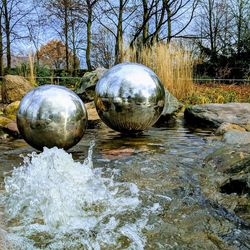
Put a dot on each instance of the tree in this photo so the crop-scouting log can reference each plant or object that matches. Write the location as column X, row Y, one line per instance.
column 163, row 19
column 60, row 13
column 53, row 55
column 103, row 48
column 148, row 11
column 116, row 18
column 240, row 10
column 177, row 10
column 14, row 11
column 212, row 25
column 90, row 5
column 1, row 42
column 224, row 33
column 36, row 26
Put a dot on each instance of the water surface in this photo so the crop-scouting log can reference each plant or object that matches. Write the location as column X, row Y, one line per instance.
column 151, row 191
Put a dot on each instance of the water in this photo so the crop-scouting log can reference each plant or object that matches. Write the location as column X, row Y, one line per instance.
column 147, row 192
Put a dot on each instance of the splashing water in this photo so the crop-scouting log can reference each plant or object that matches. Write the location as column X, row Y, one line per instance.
column 54, row 202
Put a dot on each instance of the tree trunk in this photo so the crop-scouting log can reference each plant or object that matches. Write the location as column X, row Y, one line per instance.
column 89, row 24
column 1, row 45
column 145, row 20
column 119, row 36
column 156, row 22
column 239, row 26
column 66, row 29
column 169, row 15
column 74, row 49
column 7, row 33
column 212, row 34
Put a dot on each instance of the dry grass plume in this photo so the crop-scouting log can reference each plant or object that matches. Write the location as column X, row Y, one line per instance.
column 173, row 65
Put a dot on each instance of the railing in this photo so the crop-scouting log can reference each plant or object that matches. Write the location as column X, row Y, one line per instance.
column 69, row 81
column 226, row 81
column 73, row 81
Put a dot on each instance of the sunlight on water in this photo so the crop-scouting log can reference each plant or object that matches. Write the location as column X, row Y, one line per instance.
column 54, row 202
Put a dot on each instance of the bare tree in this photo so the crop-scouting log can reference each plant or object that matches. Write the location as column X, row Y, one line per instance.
column 116, row 17
column 213, row 24
column 1, row 41
column 60, row 13
column 148, row 10
column 6, row 13
column 161, row 20
column 90, row 5
column 36, row 26
column 103, row 48
column 14, row 11
column 240, row 10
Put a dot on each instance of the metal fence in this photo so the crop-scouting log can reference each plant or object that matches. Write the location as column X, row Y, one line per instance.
column 69, row 81
column 74, row 81
column 225, row 81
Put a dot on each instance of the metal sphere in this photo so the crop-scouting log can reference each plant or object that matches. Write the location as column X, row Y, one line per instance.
column 51, row 116
column 129, row 98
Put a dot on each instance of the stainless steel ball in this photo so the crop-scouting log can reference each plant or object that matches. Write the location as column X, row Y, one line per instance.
column 51, row 116
column 129, row 98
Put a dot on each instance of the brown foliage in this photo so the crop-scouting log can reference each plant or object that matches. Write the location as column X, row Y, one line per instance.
column 53, row 55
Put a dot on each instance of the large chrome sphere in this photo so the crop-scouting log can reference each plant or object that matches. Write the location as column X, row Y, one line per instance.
column 129, row 98
column 51, row 116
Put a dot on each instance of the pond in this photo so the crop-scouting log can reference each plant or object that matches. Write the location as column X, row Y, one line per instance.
column 142, row 192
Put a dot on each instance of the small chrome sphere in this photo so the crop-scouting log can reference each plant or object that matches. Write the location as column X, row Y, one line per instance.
column 51, row 116
column 129, row 98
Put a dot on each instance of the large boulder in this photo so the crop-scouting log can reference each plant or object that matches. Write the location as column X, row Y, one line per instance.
column 14, row 88
column 213, row 115
column 231, row 166
column 172, row 105
column 171, row 108
column 86, row 88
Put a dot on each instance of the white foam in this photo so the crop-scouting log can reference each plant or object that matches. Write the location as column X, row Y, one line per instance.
column 58, row 203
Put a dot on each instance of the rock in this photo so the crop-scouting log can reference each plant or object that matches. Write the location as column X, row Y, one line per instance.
column 225, row 127
column 236, row 185
column 3, row 242
column 213, row 115
column 232, row 167
column 230, row 159
column 171, row 108
column 12, row 130
column 86, row 88
column 8, row 127
column 172, row 105
column 3, row 122
column 113, row 154
column 237, row 137
column 11, row 110
column 94, row 120
column 14, row 88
